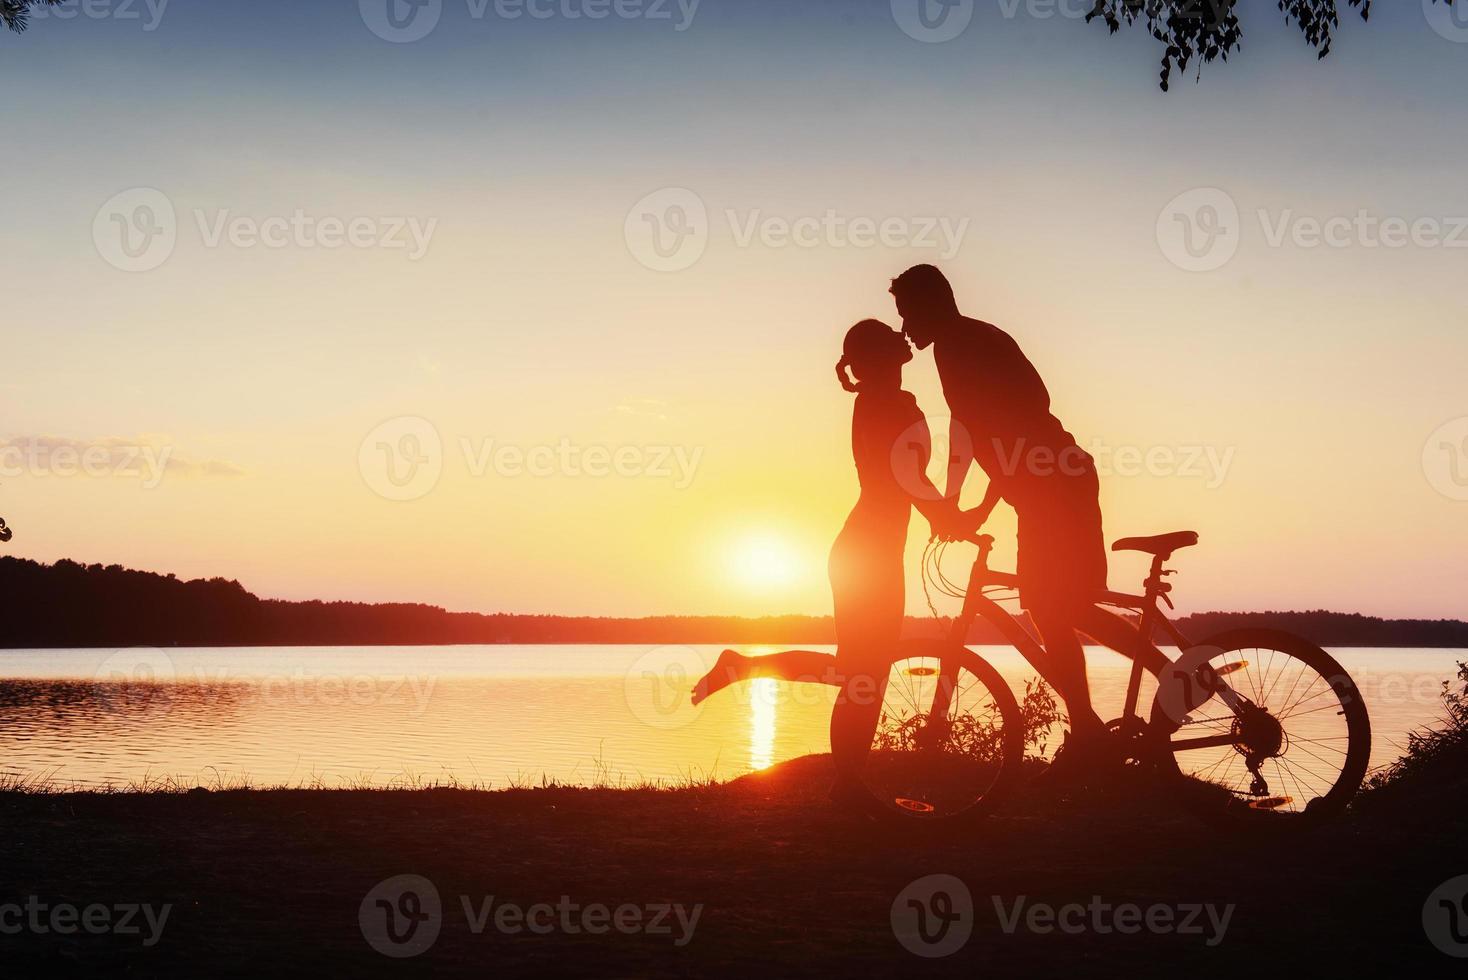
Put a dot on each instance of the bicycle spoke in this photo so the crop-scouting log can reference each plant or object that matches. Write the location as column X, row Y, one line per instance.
column 1325, row 762
column 1302, row 789
column 1298, row 677
column 1291, row 709
column 1309, row 772
column 1302, row 699
column 1329, row 707
column 1321, row 741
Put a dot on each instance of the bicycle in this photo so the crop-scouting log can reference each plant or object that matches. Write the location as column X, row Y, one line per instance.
column 1226, row 730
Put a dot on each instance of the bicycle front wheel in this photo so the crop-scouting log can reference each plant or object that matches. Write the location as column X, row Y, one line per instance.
column 1262, row 728
column 949, row 739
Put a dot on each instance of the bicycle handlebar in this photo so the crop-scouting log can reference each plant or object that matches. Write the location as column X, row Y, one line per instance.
column 984, row 541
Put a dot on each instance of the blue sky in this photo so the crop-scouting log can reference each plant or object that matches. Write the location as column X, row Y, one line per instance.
column 526, row 142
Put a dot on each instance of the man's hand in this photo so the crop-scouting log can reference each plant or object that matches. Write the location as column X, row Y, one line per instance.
column 973, row 521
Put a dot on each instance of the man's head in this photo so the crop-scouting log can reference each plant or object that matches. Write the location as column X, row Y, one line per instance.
column 925, row 303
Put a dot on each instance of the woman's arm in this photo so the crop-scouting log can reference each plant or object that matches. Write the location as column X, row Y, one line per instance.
column 911, row 464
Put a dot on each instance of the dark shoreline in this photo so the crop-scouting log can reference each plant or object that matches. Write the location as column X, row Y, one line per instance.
column 68, row 605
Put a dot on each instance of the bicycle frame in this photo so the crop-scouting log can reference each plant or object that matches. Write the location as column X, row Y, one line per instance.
column 1142, row 652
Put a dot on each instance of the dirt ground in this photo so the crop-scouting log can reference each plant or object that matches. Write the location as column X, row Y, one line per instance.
column 782, row 883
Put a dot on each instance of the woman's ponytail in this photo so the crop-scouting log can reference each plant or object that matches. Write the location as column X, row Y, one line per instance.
column 846, row 380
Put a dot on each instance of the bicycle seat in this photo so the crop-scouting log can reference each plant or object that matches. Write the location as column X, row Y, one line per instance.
column 1160, row 545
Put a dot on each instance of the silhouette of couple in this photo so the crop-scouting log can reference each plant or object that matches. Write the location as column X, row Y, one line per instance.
column 1001, row 419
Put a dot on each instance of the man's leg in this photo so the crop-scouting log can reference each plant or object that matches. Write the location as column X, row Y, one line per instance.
column 1067, row 663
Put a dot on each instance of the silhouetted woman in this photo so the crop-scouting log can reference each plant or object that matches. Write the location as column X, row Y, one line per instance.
column 891, row 445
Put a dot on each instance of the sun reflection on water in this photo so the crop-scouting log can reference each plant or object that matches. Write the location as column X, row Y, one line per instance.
column 762, row 694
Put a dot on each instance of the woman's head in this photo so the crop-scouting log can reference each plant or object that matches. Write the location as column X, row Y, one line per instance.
column 874, row 353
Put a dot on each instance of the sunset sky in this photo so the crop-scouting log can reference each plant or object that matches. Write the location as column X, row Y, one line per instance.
column 1286, row 398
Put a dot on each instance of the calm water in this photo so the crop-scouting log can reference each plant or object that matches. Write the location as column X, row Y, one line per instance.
column 492, row 715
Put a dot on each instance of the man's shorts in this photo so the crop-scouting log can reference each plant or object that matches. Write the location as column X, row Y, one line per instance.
column 1062, row 549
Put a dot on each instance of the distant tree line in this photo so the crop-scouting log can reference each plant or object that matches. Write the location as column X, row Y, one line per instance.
column 72, row 605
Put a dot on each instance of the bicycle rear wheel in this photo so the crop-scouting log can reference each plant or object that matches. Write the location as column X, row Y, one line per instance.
column 949, row 740
column 1261, row 728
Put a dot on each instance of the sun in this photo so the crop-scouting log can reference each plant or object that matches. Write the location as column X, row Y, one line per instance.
column 764, row 561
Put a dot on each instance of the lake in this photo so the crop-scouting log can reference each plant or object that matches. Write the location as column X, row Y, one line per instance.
column 488, row 715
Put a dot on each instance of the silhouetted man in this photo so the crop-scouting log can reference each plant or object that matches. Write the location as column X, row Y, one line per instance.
column 997, row 400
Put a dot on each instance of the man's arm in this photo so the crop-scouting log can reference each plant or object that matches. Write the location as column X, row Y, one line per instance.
column 961, row 459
